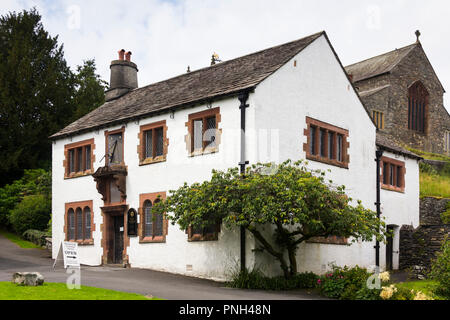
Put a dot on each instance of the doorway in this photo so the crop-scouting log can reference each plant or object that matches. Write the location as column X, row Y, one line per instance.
column 117, row 257
column 390, row 248
column 114, row 234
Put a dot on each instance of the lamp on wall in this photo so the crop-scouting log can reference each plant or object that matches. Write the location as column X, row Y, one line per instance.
column 172, row 114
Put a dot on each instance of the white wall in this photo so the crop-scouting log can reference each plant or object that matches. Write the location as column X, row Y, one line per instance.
column 317, row 87
column 208, row 259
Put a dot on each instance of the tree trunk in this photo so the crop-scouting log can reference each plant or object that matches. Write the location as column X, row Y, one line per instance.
column 292, row 260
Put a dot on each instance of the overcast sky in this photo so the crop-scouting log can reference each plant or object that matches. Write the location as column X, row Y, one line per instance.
column 165, row 36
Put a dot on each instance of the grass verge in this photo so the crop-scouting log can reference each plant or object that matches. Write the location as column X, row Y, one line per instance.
column 425, row 286
column 18, row 240
column 432, row 185
column 59, row 291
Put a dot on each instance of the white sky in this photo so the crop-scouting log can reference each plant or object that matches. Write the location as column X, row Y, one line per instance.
column 167, row 36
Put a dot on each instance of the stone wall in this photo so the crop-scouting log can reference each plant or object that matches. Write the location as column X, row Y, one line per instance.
column 418, row 247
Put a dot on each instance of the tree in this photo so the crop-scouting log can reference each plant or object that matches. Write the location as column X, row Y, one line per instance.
column 39, row 94
column 296, row 204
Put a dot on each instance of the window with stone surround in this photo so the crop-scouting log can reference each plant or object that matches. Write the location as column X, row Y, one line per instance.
column 392, row 174
column 209, row 233
column 447, row 141
column 417, row 107
column 326, row 143
column 203, row 132
column 114, row 146
column 153, row 228
column 79, row 222
column 153, row 143
column 378, row 118
column 79, row 159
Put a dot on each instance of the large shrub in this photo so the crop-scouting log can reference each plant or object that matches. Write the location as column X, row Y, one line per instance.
column 33, row 212
column 36, row 236
column 440, row 270
column 33, row 182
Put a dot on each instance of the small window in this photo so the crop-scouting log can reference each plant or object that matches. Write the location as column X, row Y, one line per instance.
column 115, row 148
column 393, row 174
column 326, row 143
column 79, row 222
column 154, row 226
column 79, row 158
column 208, row 233
column 203, row 132
column 378, row 118
column 153, row 143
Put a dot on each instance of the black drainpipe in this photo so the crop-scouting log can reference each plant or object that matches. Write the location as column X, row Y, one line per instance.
column 243, row 97
column 379, row 154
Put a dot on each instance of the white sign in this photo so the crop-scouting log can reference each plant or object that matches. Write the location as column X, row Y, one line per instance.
column 68, row 251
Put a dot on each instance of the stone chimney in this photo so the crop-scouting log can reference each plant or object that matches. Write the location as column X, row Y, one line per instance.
column 123, row 76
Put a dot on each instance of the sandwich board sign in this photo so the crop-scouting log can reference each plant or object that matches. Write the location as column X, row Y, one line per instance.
column 68, row 252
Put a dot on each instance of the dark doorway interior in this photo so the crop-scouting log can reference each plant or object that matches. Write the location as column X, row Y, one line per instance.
column 390, row 248
column 118, row 239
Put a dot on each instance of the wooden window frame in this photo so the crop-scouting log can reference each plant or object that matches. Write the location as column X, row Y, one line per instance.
column 332, row 240
column 397, row 164
column 141, row 227
column 107, row 134
column 189, row 138
column 142, row 143
column 378, row 118
column 327, row 128
column 75, row 147
column 74, row 206
column 210, row 236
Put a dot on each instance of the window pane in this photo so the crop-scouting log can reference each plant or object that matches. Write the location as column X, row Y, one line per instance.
column 87, row 219
column 159, row 225
column 210, row 134
column 391, row 174
column 339, row 147
column 210, row 229
column 71, row 224
column 399, row 176
column 79, row 219
column 148, row 227
column 88, row 158
column 385, row 173
column 79, row 162
column 198, row 134
column 159, row 142
column 323, row 142
column 197, row 230
column 330, row 144
column 149, row 144
column 312, row 137
column 115, row 144
column 71, row 160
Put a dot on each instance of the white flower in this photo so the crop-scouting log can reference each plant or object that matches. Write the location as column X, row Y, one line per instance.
column 384, row 276
column 387, row 292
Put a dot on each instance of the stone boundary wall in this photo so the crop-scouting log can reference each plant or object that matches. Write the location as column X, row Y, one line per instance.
column 418, row 247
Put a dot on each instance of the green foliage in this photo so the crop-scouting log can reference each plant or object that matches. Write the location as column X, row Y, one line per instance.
column 18, row 240
column 440, row 269
column 299, row 203
column 36, row 236
column 33, row 182
column 33, row 212
column 345, row 283
column 255, row 279
column 39, row 93
column 429, row 155
column 435, row 183
column 445, row 216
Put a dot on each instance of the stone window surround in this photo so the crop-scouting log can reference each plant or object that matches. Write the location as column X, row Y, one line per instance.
column 107, row 133
column 196, row 237
column 155, row 239
column 189, row 138
column 328, row 128
column 82, row 205
column 333, row 240
column 141, row 147
column 66, row 161
column 397, row 164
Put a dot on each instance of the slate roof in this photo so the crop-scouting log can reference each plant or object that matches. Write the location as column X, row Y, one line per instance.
column 378, row 65
column 225, row 78
column 385, row 142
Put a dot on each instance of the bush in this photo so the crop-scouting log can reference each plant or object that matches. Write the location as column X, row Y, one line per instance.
column 33, row 212
column 440, row 269
column 255, row 279
column 36, row 236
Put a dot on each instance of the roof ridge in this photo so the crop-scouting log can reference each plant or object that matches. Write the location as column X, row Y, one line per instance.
column 382, row 54
column 315, row 36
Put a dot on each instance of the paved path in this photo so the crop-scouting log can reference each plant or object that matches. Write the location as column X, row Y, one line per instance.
column 147, row 282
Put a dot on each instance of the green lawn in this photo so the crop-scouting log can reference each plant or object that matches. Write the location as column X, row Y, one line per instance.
column 19, row 241
column 59, row 291
column 425, row 286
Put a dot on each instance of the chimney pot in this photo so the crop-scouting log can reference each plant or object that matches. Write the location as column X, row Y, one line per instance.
column 121, row 54
column 128, row 56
